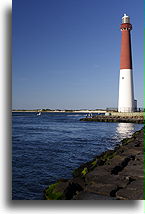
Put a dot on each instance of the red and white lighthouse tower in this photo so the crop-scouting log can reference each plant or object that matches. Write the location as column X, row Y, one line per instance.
column 126, row 102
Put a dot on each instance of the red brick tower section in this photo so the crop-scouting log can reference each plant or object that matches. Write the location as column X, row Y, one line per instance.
column 125, row 57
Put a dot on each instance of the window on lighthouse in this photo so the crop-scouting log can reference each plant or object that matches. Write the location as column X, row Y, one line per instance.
column 122, row 77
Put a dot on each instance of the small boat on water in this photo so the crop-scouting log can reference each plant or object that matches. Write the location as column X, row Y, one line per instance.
column 39, row 114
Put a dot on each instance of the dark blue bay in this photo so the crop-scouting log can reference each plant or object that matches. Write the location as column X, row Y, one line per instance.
column 48, row 147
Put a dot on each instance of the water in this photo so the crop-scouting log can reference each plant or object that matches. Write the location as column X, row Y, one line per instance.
column 50, row 146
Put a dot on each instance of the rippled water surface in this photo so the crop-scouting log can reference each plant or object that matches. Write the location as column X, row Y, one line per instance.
column 48, row 147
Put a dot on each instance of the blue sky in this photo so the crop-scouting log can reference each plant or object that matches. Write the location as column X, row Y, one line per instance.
column 66, row 53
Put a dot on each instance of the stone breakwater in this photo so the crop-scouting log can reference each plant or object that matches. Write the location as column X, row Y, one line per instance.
column 114, row 175
column 118, row 119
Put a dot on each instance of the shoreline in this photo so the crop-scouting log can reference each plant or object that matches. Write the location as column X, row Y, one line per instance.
column 62, row 111
column 114, row 175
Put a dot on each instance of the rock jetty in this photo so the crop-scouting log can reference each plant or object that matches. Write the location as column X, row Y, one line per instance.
column 118, row 119
column 114, row 175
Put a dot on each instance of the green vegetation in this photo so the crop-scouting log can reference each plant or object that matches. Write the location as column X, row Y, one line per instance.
column 108, row 155
column 85, row 171
column 52, row 194
column 94, row 163
column 127, row 140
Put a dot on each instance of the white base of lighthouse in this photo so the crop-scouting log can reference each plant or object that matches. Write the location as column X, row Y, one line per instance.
column 126, row 101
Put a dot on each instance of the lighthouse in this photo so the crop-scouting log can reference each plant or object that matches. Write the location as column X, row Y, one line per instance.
column 126, row 102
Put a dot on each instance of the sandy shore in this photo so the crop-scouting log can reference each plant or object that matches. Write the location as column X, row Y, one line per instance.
column 115, row 175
